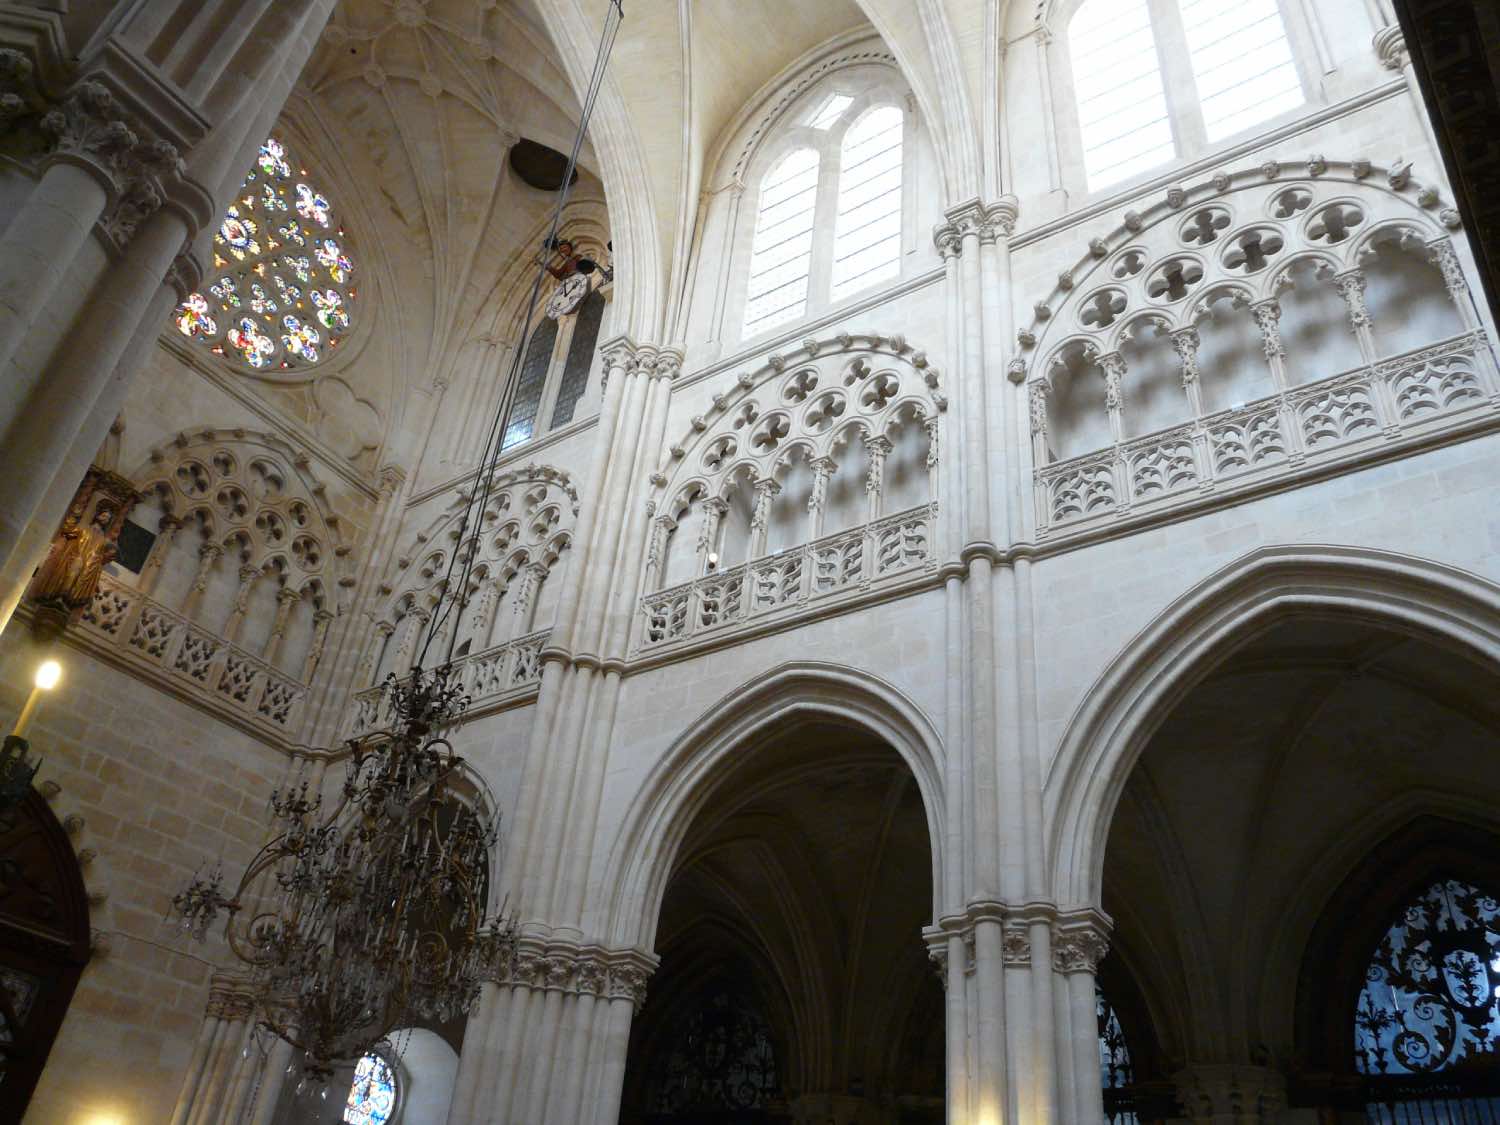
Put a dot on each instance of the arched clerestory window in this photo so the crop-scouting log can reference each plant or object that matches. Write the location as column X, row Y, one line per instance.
column 1427, row 1024
column 828, row 207
column 1154, row 80
column 556, row 365
column 281, row 292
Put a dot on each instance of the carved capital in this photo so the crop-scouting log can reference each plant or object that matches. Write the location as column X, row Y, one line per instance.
column 1037, row 400
column 1015, row 945
column 1390, row 47
column 1268, row 317
column 1080, row 943
column 1185, row 342
column 1230, row 1093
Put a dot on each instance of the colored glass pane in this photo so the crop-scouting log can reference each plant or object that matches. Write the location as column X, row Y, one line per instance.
column 193, row 318
column 330, row 308
column 372, row 1097
column 253, row 345
column 272, row 159
column 311, row 205
column 300, row 301
column 300, row 340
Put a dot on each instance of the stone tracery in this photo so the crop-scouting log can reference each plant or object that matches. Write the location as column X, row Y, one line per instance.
column 282, row 292
column 1177, row 296
column 852, row 401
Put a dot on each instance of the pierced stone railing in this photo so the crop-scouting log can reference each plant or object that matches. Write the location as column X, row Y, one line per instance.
column 146, row 635
column 843, row 564
column 497, row 675
column 1390, row 401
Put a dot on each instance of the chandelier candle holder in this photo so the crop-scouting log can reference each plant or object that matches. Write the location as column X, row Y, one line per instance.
column 359, row 918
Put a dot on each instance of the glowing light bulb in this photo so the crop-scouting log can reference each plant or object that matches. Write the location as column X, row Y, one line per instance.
column 48, row 675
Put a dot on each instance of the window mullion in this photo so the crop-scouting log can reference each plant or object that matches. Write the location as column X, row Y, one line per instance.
column 825, row 215
column 1177, row 77
column 560, row 348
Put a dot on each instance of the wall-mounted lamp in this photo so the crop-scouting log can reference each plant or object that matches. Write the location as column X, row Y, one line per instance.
column 713, row 561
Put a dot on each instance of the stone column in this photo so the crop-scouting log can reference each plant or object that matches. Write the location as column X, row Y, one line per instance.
column 661, row 528
column 1113, row 365
column 128, row 176
column 166, row 533
column 1036, row 396
column 1268, row 319
column 1079, row 945
column 218, row 1080
column 1390, row 49
column 370, row 667
column 714, row 511
column 1444, row 256
column 823, row 469
column 249, row 575
column 411, row 632
column 766, row 492
column 482, row 617
column 322, row 618
column 525, row 604
column 286, row 598
column 208, row 555
column 1185, row 342
column 877, row 449
column 1351, row 287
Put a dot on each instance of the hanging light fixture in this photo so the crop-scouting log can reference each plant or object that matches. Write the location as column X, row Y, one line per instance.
column 367, row 911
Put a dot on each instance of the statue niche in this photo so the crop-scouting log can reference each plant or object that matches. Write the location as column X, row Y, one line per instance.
column 87, row 541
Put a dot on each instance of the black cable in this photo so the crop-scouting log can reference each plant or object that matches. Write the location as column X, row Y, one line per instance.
column 452, row 598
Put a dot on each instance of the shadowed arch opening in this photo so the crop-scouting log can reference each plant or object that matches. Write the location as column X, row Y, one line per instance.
column 790, row 942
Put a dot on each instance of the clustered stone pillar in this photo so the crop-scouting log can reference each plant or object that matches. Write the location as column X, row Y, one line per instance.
column 549, row 1038
column 225, row 1075
column 126, row 174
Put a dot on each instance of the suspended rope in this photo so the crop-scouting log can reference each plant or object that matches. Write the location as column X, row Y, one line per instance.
column 453, row 595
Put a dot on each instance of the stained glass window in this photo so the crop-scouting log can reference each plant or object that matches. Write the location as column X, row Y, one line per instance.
column 372, row 1097
column 281, row 292
column 720, row 1061
column 1116, row 1072
column 1431, row 998
column 529, row 385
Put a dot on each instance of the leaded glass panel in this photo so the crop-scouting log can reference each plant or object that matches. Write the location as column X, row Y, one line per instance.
column 521, row 423
column 372, row 1096
column 575, row 376
column 280, row 293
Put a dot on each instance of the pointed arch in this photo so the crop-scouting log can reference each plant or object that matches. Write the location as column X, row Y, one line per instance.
column 1120, row 712
column 698, row 762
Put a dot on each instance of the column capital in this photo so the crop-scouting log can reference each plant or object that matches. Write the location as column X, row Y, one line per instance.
column 1082, row 940
column 1390, row 47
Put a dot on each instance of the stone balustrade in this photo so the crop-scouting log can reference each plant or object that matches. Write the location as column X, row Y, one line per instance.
column 1389, row 403
column 884, row 551
column 497, row 676
column 127, row 626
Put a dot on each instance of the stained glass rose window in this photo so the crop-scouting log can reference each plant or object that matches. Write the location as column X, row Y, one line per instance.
column 280, row 295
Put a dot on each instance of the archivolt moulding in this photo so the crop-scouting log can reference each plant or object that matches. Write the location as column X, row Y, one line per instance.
column 810, row 401
column 1120, row 711
column 1237, row 234
column 695, row 765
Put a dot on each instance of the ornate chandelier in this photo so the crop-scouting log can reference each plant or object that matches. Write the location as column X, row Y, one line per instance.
column 357, row 918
